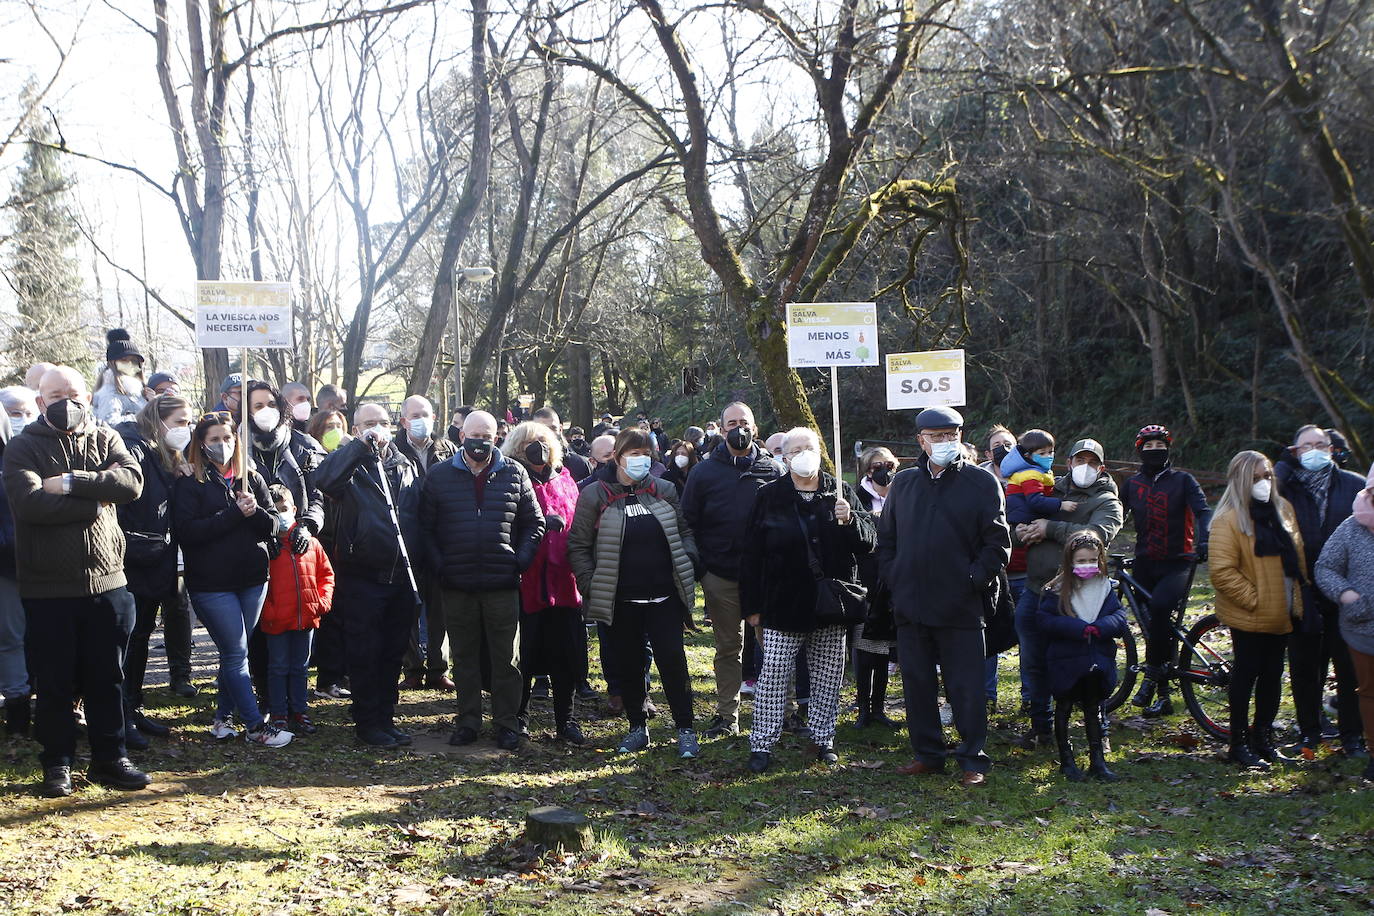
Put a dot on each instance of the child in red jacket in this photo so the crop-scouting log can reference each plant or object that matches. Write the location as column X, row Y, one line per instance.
column 300, row 590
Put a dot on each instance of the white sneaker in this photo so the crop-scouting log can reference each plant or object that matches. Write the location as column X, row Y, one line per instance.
column 223, row 729
column 746, row 689
column 335, row 692
column 268, row 736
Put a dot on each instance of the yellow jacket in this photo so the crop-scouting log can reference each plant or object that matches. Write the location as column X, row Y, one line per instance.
column 1251, row 593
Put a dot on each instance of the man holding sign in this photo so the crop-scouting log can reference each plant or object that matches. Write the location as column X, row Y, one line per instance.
column 942, row 540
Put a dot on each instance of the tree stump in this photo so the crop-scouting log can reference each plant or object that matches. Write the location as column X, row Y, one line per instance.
column 552, row 827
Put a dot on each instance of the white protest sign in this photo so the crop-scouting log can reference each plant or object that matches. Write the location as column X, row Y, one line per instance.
column 243, row 313
column 931, row 379
column 832, row 334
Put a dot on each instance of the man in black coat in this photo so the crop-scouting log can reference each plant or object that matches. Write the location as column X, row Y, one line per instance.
column 942, row 541
column 482, row 526
column 1322, row 496
column 717, row 502
column 375, row 588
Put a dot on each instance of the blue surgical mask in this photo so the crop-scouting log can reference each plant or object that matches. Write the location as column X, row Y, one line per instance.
column 1314, row 459
column 17, row 425
column 944, row 453
column 1044, row 462
column 637, row 466
column 421, row 428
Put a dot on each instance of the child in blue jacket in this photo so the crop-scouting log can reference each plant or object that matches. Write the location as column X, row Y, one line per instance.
column 1030, row 485
column 1081, row 618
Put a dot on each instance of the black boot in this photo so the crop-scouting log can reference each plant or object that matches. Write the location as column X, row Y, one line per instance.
column 1151, row 675
column 1163, row 705
column 1262, row 743
column 17, row 716
column 1067, row 766
column 1240, row 749
column 1097, row 755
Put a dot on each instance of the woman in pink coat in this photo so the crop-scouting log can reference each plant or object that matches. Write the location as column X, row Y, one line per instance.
column 551, row 628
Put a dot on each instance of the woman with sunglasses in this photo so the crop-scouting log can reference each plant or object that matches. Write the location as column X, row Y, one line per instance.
column 224, row 521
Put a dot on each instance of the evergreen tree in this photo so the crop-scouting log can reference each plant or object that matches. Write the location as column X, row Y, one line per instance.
column 41, row 265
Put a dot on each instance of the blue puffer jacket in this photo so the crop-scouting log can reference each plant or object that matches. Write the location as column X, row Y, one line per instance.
column 1071, row 656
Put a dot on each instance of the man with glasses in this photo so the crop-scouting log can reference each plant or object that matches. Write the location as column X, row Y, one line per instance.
column 1322, row 496
column 481, row 528
column 942, row 543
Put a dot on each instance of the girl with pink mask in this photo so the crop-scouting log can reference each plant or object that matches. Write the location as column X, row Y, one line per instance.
column 1080, row 618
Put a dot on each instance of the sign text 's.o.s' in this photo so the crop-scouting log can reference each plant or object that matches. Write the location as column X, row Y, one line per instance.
column 931, row 379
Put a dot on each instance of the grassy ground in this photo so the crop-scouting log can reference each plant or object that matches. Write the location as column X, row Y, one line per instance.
column 324, row 826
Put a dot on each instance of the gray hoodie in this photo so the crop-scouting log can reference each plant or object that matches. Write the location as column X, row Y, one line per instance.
column 1347, row 563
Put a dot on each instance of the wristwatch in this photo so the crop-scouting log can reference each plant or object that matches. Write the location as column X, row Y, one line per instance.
column 67, row 484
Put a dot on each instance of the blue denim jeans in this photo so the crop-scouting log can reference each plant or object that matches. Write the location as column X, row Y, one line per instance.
column 1034, row 675
column 14, row 672
column 288, row 657
column 229, row 618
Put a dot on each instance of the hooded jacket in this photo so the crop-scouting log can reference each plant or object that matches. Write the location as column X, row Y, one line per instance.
column 69, row 545
column 1030, row 490
column 150, row 557
column 481, row 545
column 942, row 542
column 776, row 580
column 363, row 539
column 300, row 589
column 717, row 501
column 1099, row 511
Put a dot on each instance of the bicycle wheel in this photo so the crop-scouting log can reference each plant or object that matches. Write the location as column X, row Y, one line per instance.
column 1204, row 675
column 1128, row 670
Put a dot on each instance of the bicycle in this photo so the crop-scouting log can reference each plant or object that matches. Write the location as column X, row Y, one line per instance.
column 1205, row 676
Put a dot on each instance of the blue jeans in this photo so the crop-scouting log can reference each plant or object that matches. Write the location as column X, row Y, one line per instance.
column 288, row 657
column 1034, row 673
column 14, row 672
column 229, row 617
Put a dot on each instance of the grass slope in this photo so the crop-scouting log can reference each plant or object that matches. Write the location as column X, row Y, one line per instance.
column 325, row 826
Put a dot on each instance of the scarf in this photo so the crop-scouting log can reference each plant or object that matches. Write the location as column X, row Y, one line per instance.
column 1317, row 484
column 1088, row 598
column 1273, row 540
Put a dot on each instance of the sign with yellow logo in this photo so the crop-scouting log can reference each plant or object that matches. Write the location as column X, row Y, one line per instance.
column 832, row 334
column 243, row 313
column 934, row 378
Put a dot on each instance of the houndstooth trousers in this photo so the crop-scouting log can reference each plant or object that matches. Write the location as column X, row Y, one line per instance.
column 825, row 659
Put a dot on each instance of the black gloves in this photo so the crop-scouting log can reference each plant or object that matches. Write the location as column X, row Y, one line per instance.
column 554, row 522
column 1202, row 553
column 273, row 548
column 300, row 540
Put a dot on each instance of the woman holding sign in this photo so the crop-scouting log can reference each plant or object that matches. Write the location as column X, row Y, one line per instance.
column 223, row 520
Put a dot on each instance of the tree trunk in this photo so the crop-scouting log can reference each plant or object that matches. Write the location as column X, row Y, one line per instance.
column 474, row 190
column 580, row 406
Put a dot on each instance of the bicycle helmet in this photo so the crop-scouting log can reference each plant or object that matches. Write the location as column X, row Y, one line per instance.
column 1153, row 431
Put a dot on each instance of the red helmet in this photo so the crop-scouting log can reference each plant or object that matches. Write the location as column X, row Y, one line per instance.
column 1153, row 431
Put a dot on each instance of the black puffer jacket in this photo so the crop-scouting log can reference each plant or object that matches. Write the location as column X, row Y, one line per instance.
column 224, row 550
column 942, row 544
column 479, row 548
column 364, row 539
column 776, row 580
column 150, row 559
column 717, row 501
column 290, row 459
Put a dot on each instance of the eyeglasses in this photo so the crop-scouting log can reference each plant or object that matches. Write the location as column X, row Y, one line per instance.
column 952, row 436
column 1304, row 449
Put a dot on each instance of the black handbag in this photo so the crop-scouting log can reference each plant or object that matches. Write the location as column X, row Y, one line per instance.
column 838, row 603
column 143, row 549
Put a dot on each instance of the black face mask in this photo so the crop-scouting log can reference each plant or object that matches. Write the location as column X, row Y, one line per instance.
column 1340, row 456
column 999, row 454
column 66, row 415
column 1154, row 459
column 455, row 434
column 740, row 438
column 480, row 449
column 537, row 453
column 882, row 476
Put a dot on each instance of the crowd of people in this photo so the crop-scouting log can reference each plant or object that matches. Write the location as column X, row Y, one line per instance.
column 360, row 543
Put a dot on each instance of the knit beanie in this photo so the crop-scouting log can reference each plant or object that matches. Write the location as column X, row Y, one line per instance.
column 119, row 346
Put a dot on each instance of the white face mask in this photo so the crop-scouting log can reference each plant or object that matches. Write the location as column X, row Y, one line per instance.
column 176, row 437
column 131, row 385
column 1262, row 490
column 301, row 411
column 128, row 367
column 421, row 428
column 805, row 464
column 944, row 453
column 267, row 419
column 288, row 518
column 681, row 461
column 17, row 425
column 1084, row 475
